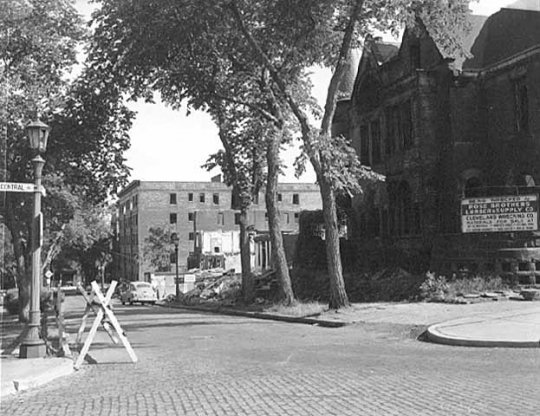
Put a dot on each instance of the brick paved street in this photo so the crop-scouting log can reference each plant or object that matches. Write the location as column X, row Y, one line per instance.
column 197, row 364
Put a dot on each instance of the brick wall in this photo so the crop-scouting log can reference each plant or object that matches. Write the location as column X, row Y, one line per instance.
column 143, row 205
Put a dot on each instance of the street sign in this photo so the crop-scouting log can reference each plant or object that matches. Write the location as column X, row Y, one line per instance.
column 49, row 274
column 16, row 187
column 20, row 187
column 189, row 278
column 499, row 214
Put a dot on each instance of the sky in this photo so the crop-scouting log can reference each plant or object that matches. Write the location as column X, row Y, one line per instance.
column 169, row 145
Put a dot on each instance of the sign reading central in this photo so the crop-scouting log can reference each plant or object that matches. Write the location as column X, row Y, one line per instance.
column 499, row 214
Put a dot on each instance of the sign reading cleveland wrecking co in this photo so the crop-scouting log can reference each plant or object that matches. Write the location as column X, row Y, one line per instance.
column 499, row 214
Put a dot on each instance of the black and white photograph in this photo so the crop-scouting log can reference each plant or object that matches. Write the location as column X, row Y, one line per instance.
column 269, row 207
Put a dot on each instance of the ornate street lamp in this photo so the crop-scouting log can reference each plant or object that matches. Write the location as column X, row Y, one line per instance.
column 175, row 240
column 32, row 345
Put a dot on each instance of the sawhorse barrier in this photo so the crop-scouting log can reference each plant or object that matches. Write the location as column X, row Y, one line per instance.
column 100, row 305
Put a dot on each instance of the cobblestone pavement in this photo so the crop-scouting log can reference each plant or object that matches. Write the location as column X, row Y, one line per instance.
column 197, row 364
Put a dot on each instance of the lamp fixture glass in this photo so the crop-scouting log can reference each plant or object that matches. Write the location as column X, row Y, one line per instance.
column 175, row 239
column 38, row 134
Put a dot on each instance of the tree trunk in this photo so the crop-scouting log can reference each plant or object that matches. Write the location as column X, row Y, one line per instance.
column 338, row 295
column 248, row 287
column 23, row 272
column 280, row 261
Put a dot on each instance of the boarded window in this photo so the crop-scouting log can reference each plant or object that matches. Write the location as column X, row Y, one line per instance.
column 407, row 125
column 404, row 218
column 415, row 56
column 364, row 145
column 391, row 129
column 376, row 156
column 473, row 188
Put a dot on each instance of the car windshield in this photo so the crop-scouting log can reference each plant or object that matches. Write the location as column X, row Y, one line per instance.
column 142, row 285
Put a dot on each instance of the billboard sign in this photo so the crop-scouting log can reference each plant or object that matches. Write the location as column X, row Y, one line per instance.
column 499, row 214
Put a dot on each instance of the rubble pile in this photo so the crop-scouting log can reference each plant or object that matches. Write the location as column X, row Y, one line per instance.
column 214, row 285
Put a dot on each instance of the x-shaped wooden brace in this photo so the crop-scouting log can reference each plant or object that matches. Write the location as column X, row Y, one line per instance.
column 102, row 309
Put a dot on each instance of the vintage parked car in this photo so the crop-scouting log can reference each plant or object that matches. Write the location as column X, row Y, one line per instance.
column 142, row 292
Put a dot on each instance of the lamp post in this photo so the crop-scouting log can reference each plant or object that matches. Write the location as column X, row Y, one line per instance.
column 32, row 345
column 175, row 240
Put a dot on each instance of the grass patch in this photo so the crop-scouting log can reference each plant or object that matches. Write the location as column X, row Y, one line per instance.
column 300, row 309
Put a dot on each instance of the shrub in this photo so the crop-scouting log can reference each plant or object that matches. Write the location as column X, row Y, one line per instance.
column 11, row 301
column 434, row 288
column 391, row 284
column 437, row 288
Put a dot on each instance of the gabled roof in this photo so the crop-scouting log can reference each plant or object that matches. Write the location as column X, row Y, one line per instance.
column 382, row 53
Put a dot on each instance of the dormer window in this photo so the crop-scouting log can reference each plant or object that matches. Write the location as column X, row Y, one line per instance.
column 414, row 56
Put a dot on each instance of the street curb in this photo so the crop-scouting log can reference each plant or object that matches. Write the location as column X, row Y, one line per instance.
column 19, row 375
column 435, row 335
column 259, row 315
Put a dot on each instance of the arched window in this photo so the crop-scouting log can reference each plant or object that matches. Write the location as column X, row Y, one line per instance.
column 526, row 184
column 473, row 188
column 404, row 210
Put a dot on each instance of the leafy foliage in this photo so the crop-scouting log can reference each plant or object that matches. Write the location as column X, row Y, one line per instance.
column 255, row 54
column 85, row 164
column 156, row 249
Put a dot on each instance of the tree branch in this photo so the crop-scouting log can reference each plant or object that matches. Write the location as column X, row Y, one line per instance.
column 54, row 249
column 344, row 51
column 254, row 107
column 302, row 118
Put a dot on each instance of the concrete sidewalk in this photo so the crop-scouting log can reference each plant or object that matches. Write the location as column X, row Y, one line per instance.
column 509, row 324
column 512, row 329
column 23, row 374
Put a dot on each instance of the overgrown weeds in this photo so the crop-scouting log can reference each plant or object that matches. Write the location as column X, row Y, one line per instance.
column 438, row 289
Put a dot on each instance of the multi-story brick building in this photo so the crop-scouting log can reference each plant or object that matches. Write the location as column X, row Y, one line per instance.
column 443, row 127
column 201, row 214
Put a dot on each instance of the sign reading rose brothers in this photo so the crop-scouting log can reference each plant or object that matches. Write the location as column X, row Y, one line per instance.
column 499, row 214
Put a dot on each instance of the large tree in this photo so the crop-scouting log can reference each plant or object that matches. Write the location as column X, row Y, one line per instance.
column 189, row 53
column 287, row 34
column 196, row 49
column 38, row 48
column 242, row 163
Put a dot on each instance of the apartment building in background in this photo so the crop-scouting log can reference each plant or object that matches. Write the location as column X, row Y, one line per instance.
column 202, row 215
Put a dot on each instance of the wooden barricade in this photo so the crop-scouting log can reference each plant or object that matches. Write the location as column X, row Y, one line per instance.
column 100, row 305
